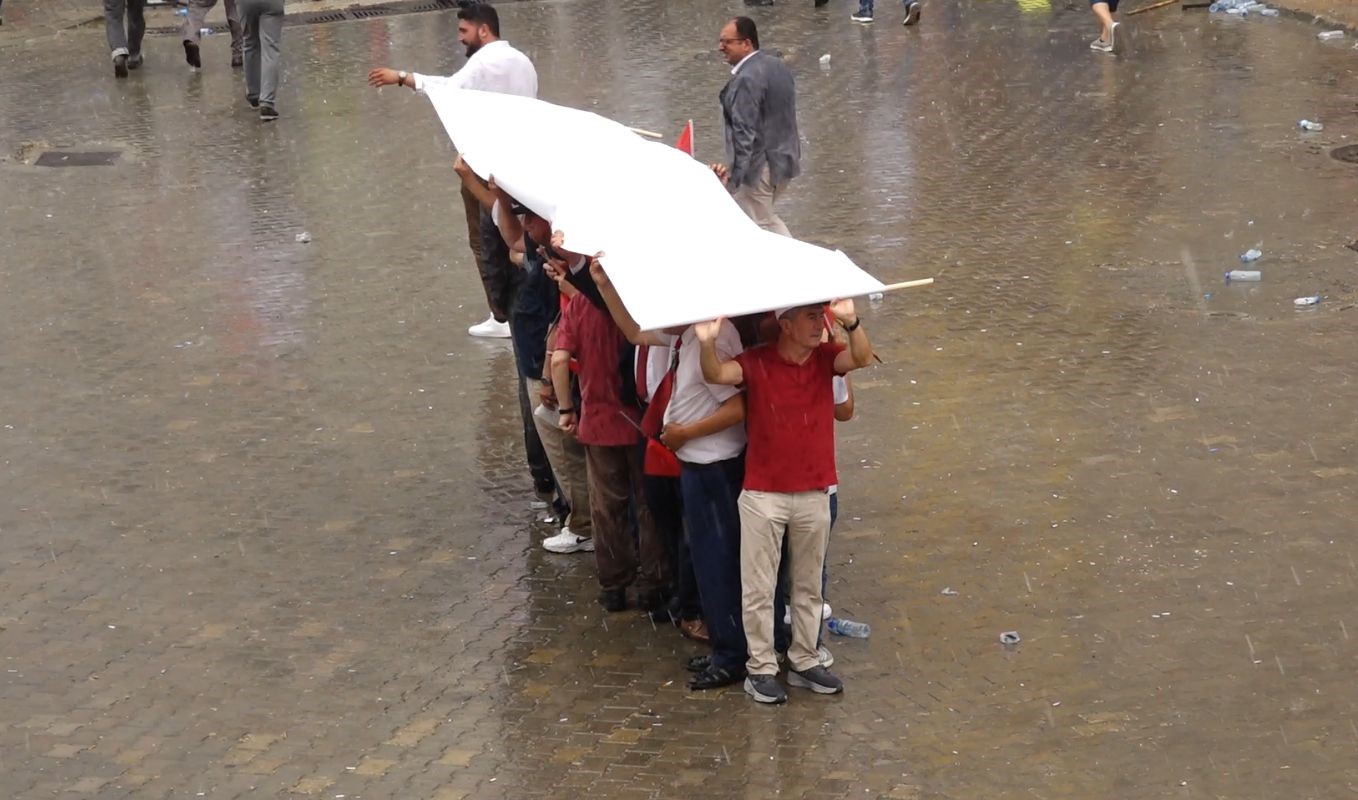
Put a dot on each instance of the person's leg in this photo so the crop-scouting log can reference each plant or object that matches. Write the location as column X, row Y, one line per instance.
column 614, row 552
column 653, row 574
column 194, row 22
column 1104, row 14
column 114, row 12
column 472, row 207
column 865, row 9
column 249, row 25
column 499, row 276
column 271, row 45
column 686, row 582
column 808, row 532
column 136, row 26
column 763, row 518
column 711, row 498
column 544, row 483
column 662, row 500
column 233, row 25
column 757, row 203
column 912, row 11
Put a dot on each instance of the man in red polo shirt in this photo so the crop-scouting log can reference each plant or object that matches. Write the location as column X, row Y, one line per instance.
column 608, row 423
column 789, row 467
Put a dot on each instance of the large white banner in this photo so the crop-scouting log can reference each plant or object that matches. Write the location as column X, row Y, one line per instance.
column 676, row 246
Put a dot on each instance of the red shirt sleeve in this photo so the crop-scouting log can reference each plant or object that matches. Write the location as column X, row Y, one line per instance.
column 565, row 330
column 828, row 352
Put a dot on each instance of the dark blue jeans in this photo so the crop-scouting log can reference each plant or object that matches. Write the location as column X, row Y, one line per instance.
column 710, row 494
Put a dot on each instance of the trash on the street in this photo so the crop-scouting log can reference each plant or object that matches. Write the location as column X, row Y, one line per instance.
column 1304, row 302
column 825, row 59
column 303, row 238
column 1010, row 638
column 204, row 31
column 949, row 591
column 1244, row 275
column 1251, row 254
column 876, row 297
column 1268, row 12
column 847, row 627
column 1325, row 36
column 1310, row 125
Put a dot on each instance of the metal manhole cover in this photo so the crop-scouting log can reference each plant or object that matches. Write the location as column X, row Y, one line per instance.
column 55, row 158
column 1348, row 153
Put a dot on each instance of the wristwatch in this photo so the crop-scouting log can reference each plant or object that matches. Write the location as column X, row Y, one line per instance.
column 856, row 322
column 401, row 78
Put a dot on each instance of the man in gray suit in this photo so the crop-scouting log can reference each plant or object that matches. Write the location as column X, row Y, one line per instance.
column 759, row 107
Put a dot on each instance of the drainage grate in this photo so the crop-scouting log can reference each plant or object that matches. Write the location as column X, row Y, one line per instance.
column 365, row 13
column 55, row 158
column 1348, row 153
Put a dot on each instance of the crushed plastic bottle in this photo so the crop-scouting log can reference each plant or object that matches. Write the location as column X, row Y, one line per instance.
column 304, row 238
column 1268, row 12
column 1252, row 254
column 1244, row 275
column 825, row 60
column 183, row 11
column 1307, row 302
column 876, row 297
column 847, row 627
column 1326, row 36
column 204, row 31
column 1310, row 125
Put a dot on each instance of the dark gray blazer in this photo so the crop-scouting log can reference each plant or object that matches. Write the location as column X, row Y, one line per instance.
column 759, row 107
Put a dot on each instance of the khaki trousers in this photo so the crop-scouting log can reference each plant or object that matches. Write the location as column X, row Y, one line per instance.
column 764, row 516
column 757, row 203
column 567, row 457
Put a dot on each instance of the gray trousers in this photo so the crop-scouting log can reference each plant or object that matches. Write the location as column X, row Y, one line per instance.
column 124, row 41
column 197, row 18
column 262, row 23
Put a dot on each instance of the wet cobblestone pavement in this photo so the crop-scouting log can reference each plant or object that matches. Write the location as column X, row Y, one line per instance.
column 266, row 528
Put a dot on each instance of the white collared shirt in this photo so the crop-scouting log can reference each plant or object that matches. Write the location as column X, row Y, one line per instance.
column 695, row 399
column 495, row 67
column 741, row 63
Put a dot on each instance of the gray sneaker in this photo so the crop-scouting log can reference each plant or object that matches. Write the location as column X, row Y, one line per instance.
column 818, row 679
column 765, row 689
column 912, row 11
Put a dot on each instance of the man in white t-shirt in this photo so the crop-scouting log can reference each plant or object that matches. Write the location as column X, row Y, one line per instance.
column 702, row 427
column 492, row 66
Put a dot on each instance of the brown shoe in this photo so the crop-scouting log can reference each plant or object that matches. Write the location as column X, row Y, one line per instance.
column 695, row 629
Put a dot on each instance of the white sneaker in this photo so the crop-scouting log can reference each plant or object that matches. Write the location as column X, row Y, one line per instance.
column 568, row 542
column 823, row 656
column 490, row 329
column 824, row 611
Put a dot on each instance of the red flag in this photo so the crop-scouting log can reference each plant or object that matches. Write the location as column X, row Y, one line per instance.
column 685, row 142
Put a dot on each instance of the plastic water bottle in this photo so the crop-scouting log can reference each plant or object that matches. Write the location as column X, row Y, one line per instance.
column 1308, row 125
column 183, row 12
column 1251, row 254
column 1244, row 275
column 1268, row 12
column 204, row 31
column 1216, row 7
column 847, row 627
column 1325, row 36
column 1306, row 302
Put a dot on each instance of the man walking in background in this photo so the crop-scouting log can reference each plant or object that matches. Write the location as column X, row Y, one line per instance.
column 262, row 23
column 492, row 66
column 193, row 26
column 759, row 109
column 125, row 43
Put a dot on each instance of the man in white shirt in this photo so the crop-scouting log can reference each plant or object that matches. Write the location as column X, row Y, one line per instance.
column 493, row 65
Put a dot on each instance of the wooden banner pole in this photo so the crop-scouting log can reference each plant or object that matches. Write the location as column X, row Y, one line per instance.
column 891, row 287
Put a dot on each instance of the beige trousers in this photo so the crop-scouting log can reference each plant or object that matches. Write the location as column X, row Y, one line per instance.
column 757, row 203
column 567, row 457
column 764, row 516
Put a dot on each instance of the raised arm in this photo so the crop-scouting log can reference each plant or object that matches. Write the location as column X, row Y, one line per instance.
column 859, row 352
column 621, row 315
column 715, row 370
column 561, row 382
column 728, row 414
column 472, row 183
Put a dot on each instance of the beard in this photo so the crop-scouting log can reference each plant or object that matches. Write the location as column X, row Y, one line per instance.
column 472, row 48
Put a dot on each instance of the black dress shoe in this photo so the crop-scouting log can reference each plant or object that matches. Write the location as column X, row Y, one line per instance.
column 120, row 66
column 613, row 600
column 267, row 112
column 715, row 678
column 135, row 61
column 236, row 61
column 698, row 663
column 253, row 101
column 191, row 55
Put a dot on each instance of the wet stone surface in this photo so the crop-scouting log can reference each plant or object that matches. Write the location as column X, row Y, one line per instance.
column 266, row 528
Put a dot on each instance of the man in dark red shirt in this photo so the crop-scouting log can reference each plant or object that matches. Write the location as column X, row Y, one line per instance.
column 789, row 466
column 608, row 423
